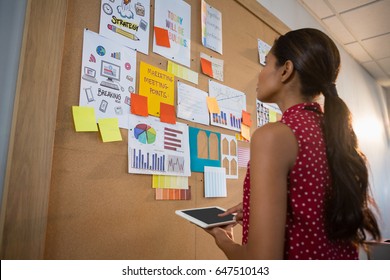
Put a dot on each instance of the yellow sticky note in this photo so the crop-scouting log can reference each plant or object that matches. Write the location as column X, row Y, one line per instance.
column 272, row 116
column 109, row 130
column 212, row 104
column 84, row 118
column 245, row 131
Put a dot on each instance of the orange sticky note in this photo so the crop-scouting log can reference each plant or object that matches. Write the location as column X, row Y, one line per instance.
column 245, row 132
column 162, row 38
column 246, row 118
column 212, row 104
column 206, row 67
column 139, row 105
column 167, row 113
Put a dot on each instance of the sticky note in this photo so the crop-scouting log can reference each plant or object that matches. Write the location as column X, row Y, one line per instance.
column 212, row 104
column 162, row 38
column 245, row 131
column 206, row 67
column 139, row 105
column 272, row 116
column 246, row 118
column 109, row 130
column 84, row 118
column 167, row 113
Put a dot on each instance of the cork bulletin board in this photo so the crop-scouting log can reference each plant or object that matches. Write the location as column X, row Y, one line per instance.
column 97, row 210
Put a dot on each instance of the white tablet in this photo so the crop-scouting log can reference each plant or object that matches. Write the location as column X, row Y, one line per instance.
column 206, row 217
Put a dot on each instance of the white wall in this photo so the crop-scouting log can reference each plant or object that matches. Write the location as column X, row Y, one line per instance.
column 366, row 100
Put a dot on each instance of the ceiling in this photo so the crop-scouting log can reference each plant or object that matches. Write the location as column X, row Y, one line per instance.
column 362, row 27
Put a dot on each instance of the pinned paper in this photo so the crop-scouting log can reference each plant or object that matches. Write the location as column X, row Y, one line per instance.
column 212, row 104
column 139, row 105
column 213, row 67
column 245, row 131
column 162, row 38
column 173, row 194
column 214, row 182
column 272, row 116
column 182, row 72
column 109, row 130
column 206, row 67
column 158, row 85
column 169, row 182
column 84, row 118
column 167, row 113
column 243, row 156
column 246, row 118
column 205, row 146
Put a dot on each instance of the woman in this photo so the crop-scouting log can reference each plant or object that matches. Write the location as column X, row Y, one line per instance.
column 306, row 195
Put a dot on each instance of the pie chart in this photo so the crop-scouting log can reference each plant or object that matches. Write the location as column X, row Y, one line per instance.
column 145, row 133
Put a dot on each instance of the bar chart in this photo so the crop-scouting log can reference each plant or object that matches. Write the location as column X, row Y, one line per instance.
column 148, row 160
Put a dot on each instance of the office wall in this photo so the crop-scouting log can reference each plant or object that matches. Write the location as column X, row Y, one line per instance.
column 366, row 100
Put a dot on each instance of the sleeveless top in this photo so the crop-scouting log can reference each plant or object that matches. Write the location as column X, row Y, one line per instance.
column 305, row 236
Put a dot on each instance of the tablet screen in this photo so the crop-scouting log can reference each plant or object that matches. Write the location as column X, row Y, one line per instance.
column 208, row 215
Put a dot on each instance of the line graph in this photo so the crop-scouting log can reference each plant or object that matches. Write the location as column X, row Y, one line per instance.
column 176, row 164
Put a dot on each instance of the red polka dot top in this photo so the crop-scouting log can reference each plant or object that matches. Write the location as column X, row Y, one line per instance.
column 305, row 236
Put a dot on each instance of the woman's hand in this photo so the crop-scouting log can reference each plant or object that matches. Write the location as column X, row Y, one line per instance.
column 222, row 234
column 237, row 210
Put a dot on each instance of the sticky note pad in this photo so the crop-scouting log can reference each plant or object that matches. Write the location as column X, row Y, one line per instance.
column 109, row 130
column 246, row 118
column 245, row 131
column 162, row 38
column 212, row 104
column 206, row 67
column 84, row 118
column 139, row 105
column 167, row 113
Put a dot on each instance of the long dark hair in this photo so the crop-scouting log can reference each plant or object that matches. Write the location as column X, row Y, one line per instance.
column 317, row 62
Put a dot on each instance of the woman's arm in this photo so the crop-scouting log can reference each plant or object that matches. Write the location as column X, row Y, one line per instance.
column 273, row 153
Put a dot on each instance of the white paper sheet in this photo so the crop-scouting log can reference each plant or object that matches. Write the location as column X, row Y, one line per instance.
column 214, row 182
column 191, row 104
column 108, row 76
column 126, row 22
column 175, row 16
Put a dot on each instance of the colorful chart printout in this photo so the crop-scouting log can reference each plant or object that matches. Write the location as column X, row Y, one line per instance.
column 107, row 77
column 231, row 103
column 158, row 148
column 126, row 22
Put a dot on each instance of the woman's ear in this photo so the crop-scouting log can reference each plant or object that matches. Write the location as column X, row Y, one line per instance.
column 288, row 70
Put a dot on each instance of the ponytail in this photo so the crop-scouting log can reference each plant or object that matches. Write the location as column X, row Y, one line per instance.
column 347, row 214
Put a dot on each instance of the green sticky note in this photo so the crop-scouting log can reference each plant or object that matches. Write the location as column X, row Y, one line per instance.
column 84, row 118
column 109, row 130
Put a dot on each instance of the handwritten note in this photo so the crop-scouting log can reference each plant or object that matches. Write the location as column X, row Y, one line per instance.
column 192, row 104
